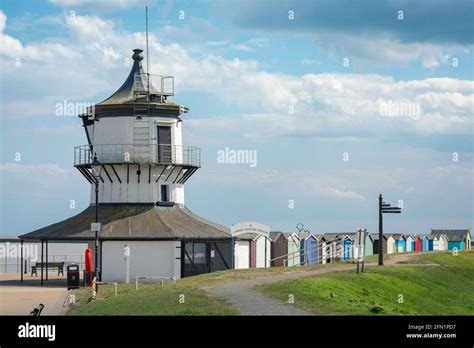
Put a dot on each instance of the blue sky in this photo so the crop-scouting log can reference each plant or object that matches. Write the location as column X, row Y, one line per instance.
column 336, row 64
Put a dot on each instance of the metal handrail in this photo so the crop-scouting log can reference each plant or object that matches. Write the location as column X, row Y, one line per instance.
column 110, row 283
column 164, row 84
column 305, row 252
column 161, row 279
column 133, row 153
column 338, row 254
column 16, row 262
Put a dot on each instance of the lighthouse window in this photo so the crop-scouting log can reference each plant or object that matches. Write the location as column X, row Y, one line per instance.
column 164, row 193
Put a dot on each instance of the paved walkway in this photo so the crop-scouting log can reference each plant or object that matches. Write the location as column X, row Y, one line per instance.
column 20, row 299
column 251, row 302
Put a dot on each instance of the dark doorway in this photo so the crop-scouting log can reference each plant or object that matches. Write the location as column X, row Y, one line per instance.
column 165, row 153
column 164, row 193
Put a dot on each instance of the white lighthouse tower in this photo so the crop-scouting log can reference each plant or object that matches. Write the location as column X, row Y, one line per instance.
column 136, row 162
column 135, row 137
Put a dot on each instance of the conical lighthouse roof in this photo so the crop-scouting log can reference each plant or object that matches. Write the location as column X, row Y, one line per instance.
column 137, row 81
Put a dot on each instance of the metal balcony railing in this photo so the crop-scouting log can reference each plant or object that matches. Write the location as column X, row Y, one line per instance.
column 159, row 84
column 130, row 153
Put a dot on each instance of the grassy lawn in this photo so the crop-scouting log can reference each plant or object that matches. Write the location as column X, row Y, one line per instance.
column 427, row 290
column 154, row 300
column 149, row 300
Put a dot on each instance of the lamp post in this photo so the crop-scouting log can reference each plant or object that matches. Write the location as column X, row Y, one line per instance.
column 384, row 208
column 96, row 169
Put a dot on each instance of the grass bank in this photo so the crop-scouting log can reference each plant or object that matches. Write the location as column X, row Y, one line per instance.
column 172, row 299
column 445, row 289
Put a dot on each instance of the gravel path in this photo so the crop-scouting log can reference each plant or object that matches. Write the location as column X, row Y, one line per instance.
column 251, row 302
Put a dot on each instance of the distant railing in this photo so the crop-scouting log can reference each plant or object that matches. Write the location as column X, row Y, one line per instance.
column 12, row 265
column 123, row 153
column 159, row 84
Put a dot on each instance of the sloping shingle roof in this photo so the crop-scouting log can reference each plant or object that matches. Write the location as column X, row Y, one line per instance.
column 130, row 221
column 375, row 236
column 275, row 234
column 453, row 235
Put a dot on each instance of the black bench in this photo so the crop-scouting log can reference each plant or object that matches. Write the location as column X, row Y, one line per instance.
column 50, row 265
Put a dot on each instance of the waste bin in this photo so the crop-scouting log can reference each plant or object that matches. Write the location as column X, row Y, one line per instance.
column 72, row 277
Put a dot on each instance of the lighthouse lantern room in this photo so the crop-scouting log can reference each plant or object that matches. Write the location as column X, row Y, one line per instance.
column 135, row 135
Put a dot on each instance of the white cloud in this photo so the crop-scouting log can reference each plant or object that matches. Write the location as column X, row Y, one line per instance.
column 275, row 104
column 26, row 170
column 307, row 61
column 241, row 47
column 42, row 175
column 99, row 4
column 385, row 49
column 218, row 42
column 350, row 185
column 250, row 45
column 299, row 183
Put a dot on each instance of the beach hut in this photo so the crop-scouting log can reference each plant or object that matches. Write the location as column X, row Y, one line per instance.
column 368, row 247
column 279, row 250
column 418, row 244
column 375, row 238
column 392, row 244
column 400, row 243
column 326, row 250
column 322, row 250
column 425, row 243
column 309, row 249
column 410, row 243
column 347, row 245
column 459, row 239
column 334, row 242
column 336, row 249
column 293, row 250
column 432, row 242
column 442, row 242
column 258, row 237
column 263, row 249
column 245, row 251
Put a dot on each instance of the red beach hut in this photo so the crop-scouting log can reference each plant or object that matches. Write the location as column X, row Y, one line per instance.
column 418, row 244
